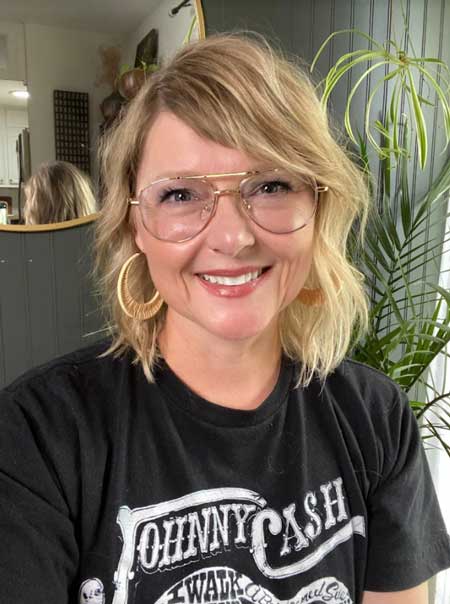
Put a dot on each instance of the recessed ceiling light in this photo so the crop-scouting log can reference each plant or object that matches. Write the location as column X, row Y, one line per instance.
column 20, row 94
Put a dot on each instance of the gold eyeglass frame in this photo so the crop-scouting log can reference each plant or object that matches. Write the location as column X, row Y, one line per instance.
column 218, row 192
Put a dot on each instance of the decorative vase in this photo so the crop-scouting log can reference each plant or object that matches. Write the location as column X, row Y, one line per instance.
column 131, row 82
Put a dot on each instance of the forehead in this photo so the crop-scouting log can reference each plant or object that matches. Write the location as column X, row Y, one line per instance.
column 173, row 148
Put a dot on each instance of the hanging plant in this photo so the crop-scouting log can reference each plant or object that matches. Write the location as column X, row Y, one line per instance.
column 403, row 70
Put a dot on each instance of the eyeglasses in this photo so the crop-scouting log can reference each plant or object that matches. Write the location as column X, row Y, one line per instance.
column 177, row 209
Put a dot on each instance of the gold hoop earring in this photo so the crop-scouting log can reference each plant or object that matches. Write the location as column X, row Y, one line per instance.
column 133, row 309
column 311, row 297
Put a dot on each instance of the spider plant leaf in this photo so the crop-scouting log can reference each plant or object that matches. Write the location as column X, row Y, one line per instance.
column 428, row 60
column 442, row 98
column 333, row 78
column 393, row 116
column 352, row 94
column 425, row 101
column 405, row 201
column 378, row 124
column 382, row 129
column 349, row 56
column 421, row 98
column 419, row 121
column 371, row 40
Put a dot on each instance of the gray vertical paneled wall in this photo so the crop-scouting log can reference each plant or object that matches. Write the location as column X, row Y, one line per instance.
column 47, row 306
column 299, row 27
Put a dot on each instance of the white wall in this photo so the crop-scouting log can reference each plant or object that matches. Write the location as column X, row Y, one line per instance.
column 12, row 63
column 62, row 59
column 171, row 31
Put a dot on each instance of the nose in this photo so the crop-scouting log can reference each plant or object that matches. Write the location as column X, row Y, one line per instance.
column 230, row 230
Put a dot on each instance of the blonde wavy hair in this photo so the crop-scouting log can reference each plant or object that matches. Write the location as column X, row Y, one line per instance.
column 57, row 192
column 235, row 90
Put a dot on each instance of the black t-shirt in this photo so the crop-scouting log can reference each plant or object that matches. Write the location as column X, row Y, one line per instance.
column 119, row 491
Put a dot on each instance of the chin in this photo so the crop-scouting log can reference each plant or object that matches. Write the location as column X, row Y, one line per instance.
column 240, row 328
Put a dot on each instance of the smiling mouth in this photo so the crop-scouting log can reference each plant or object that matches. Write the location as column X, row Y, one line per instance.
column 235, row 280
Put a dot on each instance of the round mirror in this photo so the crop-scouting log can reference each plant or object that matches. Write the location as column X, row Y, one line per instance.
column 65, row 72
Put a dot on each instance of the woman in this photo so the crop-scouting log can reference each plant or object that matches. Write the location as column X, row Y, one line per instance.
column 57, row 192
column 219, row 448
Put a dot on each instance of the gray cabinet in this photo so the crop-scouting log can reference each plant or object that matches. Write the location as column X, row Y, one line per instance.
column 47, row 305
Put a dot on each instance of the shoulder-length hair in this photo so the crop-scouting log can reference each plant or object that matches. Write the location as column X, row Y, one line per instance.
column 235, row 90
column 57, row 192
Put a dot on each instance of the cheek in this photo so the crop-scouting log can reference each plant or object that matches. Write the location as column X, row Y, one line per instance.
column 296, row 265
column 298, row 271
column 168, row 265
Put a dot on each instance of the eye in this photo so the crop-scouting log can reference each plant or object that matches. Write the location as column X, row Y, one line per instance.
column 274, row 186
column 270, row 187
column 177, row 196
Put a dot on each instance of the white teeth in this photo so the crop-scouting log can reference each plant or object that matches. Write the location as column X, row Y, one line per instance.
column 240, row 280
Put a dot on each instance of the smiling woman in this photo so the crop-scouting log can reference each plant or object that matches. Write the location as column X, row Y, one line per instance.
column 218, row 446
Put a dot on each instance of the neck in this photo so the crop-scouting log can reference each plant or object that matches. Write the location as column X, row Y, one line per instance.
column 237, row 374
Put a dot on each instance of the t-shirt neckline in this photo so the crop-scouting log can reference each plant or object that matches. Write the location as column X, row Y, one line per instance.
column 183, row 397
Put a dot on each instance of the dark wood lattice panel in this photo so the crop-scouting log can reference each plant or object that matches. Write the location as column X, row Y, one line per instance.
column 72, row 127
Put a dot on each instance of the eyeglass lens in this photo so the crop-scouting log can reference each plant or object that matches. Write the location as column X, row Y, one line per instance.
column 178, row 209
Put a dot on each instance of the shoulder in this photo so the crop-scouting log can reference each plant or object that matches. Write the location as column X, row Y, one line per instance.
column 82, row 362
column 82, row 359
column 78, row 381
column 353, row 380
column 365, row 400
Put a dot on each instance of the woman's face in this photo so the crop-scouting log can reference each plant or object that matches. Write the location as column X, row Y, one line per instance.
column 230, row 246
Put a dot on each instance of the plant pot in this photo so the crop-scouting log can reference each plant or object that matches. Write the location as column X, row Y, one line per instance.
column 131, row 82
column 111, row 105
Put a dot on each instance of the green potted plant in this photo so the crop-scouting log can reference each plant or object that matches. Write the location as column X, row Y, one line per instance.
column 409, row 321
column 131, row 79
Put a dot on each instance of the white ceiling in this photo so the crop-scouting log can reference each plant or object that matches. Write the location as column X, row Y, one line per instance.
column 114, row 16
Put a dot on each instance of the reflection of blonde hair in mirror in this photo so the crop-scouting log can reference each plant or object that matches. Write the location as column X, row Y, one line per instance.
column 235, row 90
column 57, row 192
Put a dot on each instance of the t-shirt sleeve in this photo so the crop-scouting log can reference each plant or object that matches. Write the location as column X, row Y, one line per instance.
column 38, row 553
column 407, row 539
